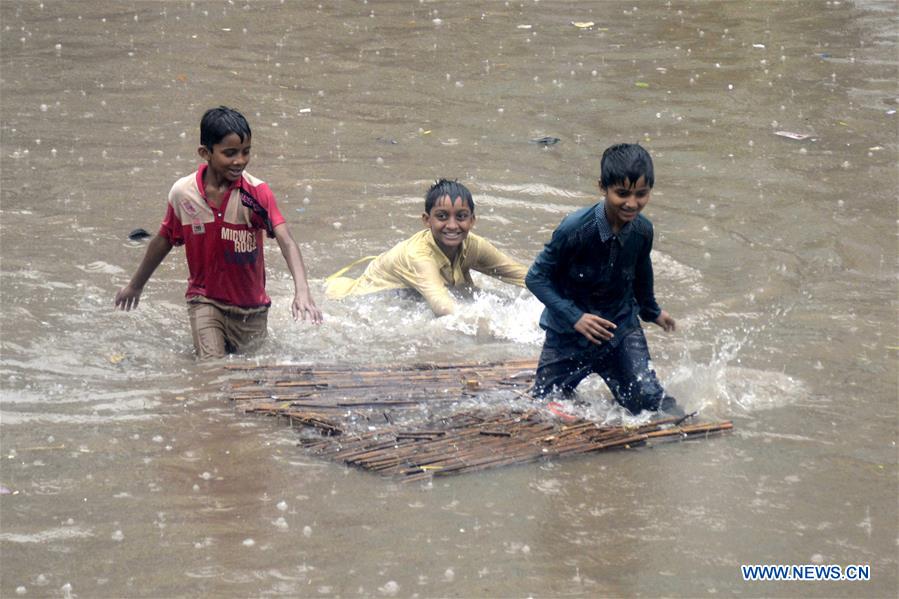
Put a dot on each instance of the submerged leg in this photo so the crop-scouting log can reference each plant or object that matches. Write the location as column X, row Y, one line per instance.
column 628, row 372
column 207, row 326
column 562, row 366
column 245, row 333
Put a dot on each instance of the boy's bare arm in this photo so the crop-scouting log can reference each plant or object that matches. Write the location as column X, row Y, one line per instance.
column 128, row 297
column 425, row 279
column 666, row 322
column 303, row 306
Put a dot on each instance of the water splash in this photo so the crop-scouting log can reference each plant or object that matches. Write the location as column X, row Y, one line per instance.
column 719, row 386
column 493, row 316
column 722, row 387
column 398, row 327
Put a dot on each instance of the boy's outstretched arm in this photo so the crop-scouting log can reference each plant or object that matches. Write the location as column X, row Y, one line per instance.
column 493, row 263
column 128, row 297
column 425, row 279
column 303, row 306
column 666, row 322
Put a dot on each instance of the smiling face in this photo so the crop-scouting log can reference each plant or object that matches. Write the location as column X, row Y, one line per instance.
column 624, row 201
column 228, row 158
column 449, row 220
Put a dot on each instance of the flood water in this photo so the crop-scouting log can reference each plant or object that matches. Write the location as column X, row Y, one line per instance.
column 131, row 475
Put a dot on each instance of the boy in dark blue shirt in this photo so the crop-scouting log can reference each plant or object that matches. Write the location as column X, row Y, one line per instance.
column 595, row 279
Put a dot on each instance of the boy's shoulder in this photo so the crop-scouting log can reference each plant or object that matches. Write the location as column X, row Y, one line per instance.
column 187, row 180
column 257, row 188
column 186, row 186
column 578, row 220
column 253, row 181
column 475, row 240
column 190, row 185
column 579, row 225
column 581, row 214
column 416, row 247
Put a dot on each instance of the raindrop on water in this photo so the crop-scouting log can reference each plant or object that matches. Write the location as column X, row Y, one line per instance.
column 391, row 587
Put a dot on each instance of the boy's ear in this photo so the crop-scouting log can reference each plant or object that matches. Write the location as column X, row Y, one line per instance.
column 602, row 188
column 204, row 153
column 424, row 219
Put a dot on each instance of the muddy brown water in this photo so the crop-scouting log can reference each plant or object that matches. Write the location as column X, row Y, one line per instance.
column 132, row 476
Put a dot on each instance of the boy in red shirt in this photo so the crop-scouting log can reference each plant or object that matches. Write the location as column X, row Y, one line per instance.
column 219, row 213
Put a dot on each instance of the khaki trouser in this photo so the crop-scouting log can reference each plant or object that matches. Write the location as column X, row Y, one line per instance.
column 219, row 329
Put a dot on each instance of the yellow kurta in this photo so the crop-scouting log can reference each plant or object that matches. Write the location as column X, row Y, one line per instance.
column 418, row 263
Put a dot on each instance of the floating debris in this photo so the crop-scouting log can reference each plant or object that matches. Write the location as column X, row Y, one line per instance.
column 138, row 234
column 365, row 417
column 546, row 141
column 557, row 409
column 583, row 24
column 792, row 135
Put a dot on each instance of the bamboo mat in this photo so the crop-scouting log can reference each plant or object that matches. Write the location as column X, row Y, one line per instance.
column 424, row 420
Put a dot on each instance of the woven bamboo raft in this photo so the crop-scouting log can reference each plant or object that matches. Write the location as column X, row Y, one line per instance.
column 414, row 422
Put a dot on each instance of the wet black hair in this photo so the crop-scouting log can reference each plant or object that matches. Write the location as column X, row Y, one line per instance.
column 445, row 187
column 628, row 162
column 218, row 123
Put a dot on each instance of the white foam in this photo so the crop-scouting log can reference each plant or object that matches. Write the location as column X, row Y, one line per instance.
column 51, row 534
column 537, row 189
column 102, row 267
column 488, row 200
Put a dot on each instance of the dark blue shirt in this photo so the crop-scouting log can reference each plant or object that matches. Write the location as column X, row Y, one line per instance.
column 586, row 267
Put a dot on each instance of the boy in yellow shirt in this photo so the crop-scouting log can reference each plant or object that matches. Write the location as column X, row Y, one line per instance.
column 434, row 259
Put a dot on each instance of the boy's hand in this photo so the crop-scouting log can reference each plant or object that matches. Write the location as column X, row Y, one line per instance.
column 127, row 298
column 594, row 328
column 304, row 307
column 665, row 321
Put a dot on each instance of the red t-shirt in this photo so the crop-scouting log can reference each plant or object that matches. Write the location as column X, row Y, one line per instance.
column 224, row 245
